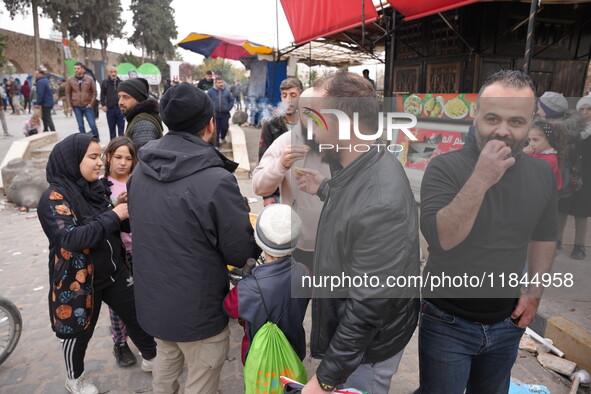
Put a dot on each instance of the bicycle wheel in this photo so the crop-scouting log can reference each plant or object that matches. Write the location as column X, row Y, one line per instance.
column 10, row 328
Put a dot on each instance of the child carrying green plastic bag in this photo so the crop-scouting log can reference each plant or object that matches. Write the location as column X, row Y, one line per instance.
column 274, row 341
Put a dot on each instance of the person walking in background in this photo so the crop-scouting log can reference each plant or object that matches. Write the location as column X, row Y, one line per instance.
column 86, row 257
column 81, row 93
column 34, row 94
column 110, row 103
column 235, row 90
column 61, row 95
column 15, row 95
column 8, row 89
column 26, row 92
column 142, row 113
column 45, row 100
column 223, row 101
column 189, row 221
column 3, row 113
column 4, row 95
column 120, row 159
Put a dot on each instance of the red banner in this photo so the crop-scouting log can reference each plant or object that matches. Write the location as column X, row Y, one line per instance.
column 431, row 143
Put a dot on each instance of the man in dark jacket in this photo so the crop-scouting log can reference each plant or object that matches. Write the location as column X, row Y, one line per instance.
column 368, row 228
column 189, row 221
column 142, row 113
column 110, row 103
column 45, row 100
column 207, row 82
column 223, row 101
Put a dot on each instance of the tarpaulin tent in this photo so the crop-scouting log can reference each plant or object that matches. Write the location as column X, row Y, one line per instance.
column 413, row 9
column 312, row 19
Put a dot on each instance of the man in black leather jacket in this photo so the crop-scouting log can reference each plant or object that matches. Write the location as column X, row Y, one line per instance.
column 368, row 231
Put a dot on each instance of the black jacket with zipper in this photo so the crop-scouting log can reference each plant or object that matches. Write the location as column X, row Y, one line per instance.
column 109, row 93
column 189, row 221
column 368, row 226
column 83, row 258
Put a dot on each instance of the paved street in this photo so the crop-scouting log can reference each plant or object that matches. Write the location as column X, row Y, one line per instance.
column 37, row 366
column 64, row 126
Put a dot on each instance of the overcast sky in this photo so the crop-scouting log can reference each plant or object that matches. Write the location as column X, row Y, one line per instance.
column 224, row 17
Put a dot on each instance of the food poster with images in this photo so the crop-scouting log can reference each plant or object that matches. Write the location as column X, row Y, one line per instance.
column 430, row 143
column 443, row 106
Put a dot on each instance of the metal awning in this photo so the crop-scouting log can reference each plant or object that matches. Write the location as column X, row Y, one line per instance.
column 332, row 53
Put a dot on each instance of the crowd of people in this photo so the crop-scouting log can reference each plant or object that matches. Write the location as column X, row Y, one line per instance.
column 492, row 206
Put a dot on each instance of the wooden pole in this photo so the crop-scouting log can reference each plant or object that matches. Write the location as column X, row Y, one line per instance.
column 36, row 34
column 390, row 55
column 529, row 42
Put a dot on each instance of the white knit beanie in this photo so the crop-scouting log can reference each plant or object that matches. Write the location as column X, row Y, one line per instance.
column 584, row 101
column 277, row 230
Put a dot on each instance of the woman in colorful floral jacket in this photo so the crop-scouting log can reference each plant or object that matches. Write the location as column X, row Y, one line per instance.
column 86, row 256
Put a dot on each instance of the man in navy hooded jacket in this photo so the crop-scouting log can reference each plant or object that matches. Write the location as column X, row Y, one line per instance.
column 45, row 100
column 189, row 221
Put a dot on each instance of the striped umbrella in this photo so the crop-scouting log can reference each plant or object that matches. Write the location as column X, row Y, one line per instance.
column 223, row 47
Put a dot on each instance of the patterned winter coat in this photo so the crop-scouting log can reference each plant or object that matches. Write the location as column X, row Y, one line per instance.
column 82, row 258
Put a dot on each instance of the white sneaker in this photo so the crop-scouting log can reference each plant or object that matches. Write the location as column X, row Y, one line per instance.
column 147, row 365
column 80, row 386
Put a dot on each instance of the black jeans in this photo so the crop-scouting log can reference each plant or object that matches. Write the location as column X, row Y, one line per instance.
column 27, row 102
column 119, row 296
column 47, row 121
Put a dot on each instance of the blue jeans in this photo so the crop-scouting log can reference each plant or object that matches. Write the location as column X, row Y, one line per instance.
column 457, row 354
column 79, row 112
column 116, row 122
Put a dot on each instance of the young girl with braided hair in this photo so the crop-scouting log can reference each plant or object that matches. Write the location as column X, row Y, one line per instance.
column 548, row 142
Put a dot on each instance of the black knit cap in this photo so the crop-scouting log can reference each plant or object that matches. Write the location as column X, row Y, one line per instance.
column 186, row 108
column 136, row 87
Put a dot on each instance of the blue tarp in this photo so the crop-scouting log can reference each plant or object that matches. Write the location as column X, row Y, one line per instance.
column 276, row 73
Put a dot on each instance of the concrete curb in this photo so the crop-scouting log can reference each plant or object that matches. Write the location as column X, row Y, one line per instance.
column 239, row 151
column 567, row 336
column 21, row 149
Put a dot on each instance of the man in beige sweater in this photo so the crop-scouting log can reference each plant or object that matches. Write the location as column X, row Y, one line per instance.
column 276, row 170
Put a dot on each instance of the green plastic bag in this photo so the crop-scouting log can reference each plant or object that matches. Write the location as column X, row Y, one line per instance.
column 271, row 356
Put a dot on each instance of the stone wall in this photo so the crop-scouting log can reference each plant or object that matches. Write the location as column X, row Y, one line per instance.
column 20, row 51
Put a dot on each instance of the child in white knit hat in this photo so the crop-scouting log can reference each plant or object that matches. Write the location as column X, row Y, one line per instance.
column 266, row 295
